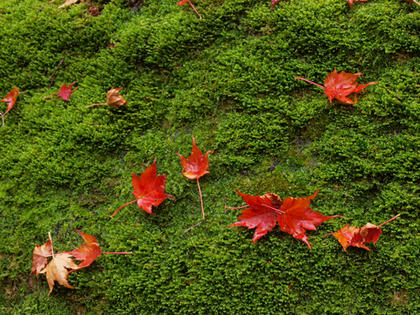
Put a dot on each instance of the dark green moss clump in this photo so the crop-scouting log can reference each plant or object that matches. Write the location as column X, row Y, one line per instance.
column 229, row 80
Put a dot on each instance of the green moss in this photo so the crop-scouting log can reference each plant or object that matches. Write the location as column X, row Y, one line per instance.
column 229, row 80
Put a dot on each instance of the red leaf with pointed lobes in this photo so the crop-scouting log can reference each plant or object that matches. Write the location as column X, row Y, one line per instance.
column 357, row 237
column 149, row 189
column 88, row 252
column 10, row 99
column 40, row 255
column 66, row 91
column 197, row 164
column 293, row 215
column 340, row 85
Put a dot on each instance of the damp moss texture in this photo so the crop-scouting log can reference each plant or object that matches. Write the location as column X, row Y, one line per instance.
column 229, row 80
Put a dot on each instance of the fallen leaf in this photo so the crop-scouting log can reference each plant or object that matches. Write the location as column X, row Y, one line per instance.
column 340, row 85
column 351, row 1
column 113, row 98
column 88, row 252
column 357, row 237
column 293, row 215
column 10, row 99
column 56, row 270
column 149, row 189
column 182, row 2
column 69, row 2
column 40, row 255
column 196, row 166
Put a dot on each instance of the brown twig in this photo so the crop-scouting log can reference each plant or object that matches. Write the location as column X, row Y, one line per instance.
column 193, row 226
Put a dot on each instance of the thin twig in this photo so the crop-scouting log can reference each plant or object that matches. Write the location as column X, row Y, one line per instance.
column 119, row 253
column 97, row 104
column 193, row 226
column 52, row 77
column 236, row 208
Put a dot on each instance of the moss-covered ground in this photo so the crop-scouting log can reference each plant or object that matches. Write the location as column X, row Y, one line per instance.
column 228, row 79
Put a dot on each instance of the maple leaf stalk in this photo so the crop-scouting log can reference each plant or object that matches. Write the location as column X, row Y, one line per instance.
column 389, row 220
column 201, row 199
column 52, row 246
column 128, row 203
column 97, row 104
column 306, row 80
column 118, row 253
column 195, row 10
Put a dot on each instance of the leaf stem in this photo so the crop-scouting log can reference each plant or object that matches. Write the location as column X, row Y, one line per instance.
column 389, row 220
column 192, row 6
column 272, row 208
column 416, row 2
column 97, row 104
column 306, row 80
column 201, row 199
column 128, row 203
column 235, row 208
column 119, row 253
column 52, row 247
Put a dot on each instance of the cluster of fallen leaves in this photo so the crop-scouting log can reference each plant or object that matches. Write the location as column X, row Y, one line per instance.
column 262, row 213
column 61, row 264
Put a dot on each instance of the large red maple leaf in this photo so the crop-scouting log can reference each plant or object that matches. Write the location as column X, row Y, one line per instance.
column 10, row 99
column 149, row 189
column 340, row 85
column 357, row 237
column 89, row 251
column 195, row 166
column 293, row 215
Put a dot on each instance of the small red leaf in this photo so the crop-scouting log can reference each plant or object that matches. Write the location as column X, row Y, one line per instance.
column 149, row 189
column 197, row 164
column 340, row 85
column 66, row 91
column 10, row 99
column 274, row 3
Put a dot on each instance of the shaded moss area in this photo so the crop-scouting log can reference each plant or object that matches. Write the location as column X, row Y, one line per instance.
column 229, row 80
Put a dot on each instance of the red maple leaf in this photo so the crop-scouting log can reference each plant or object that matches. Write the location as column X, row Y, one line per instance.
column 340, row 85
column 357, row 237
column 182, row 2
column 64, row 92
column 10, row 99
column 274, row 3
column 195, row 166
column 149, row 189
column 88, row 252
column 293, row 215
column 351, row 1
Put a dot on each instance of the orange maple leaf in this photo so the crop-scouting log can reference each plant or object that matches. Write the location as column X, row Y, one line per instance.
column 340, row 85
column 196, row 166
column 357, row 237
column 10, row 99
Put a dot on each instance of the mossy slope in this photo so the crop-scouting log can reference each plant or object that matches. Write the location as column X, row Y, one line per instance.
column 229, row 80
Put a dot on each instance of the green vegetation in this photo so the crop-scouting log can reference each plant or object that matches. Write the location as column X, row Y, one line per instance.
column 229, row 80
